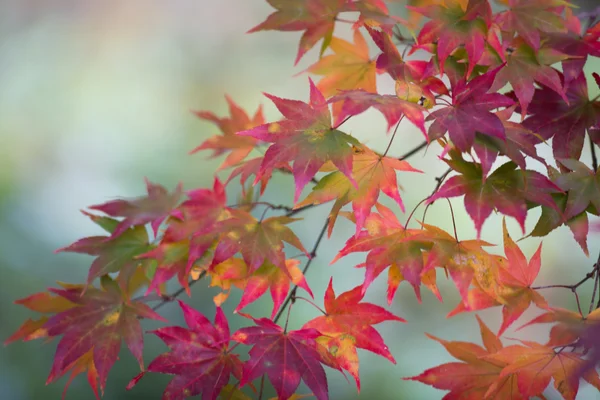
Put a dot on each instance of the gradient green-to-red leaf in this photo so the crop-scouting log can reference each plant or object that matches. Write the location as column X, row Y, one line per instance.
column 305, row 138
column 257, row 241
column 152, row 209
column 286, row 357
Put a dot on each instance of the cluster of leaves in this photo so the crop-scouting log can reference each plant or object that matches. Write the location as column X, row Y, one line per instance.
column 496, row 85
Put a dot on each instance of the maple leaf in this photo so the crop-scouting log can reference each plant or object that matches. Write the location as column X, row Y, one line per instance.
column 348, row 68
column 578, row 46
column 518, row 143
column 152, row 209
column 530, row 17
column 256, row 240
column 200, row 357
column 286, row 357
column 305, row 138
column 535, row 365
column 113, row 253
column 268, row 276
column 372, row 172
column 460, row 258
column 393, row 108
column 564, row 122
column 523, row 67
column 239, row 147
column 348, row 318
column 92, row 323
column 315, row 17
column 475, row 377
column 453, row 25
column 253, row 167
column 569, row 325
column 583, row 186
column 507, row 189
column 514, row 292
column 470, row 112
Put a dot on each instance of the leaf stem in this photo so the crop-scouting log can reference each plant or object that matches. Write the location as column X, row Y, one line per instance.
column 313, row 254
column 309, row 301
column 392, row 138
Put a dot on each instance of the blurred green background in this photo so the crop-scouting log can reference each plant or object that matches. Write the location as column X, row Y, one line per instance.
column 95, row 96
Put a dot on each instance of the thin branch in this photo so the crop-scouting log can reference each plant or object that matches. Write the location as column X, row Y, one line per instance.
column 594, row 157
column 172, row 297
column 413, row 151
column 313, row 254
column 440, row 179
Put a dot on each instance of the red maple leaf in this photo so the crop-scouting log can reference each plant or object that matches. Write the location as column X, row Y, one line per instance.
column 355, row 102
column 257, row 241
column 239, row 147
column 92, row 322
column 315, row 17
column 470, row 112
column 453, row 25
column 507, row 190
column 346, row 315
column 200, row 357
column 286, row 357
column 566, row 123
column 305, row 138
column 152, row 209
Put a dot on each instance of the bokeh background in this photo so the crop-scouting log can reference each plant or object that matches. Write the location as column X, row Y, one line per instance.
column 95, row 96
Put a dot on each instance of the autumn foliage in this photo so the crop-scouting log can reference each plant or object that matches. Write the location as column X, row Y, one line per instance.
column 498, row 82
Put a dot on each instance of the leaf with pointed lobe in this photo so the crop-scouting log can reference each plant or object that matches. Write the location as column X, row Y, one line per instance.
column 534, row 365
column 474, row 377
column 238, row 147
column 348, row 315
column 93, row 322
column 452, row 26
column 257, row 241
column 507, row 190
column 529, row 18
column 470, row 112
column 253, row 167
column 152, row 209
column 355, row 102
column 569, row 325
column 582, row 186
column 225, row 275
column 305, row 138
column 388, row 242
column 113, row 253
column 396, row 277
column 523, row 67
column 268, row 276
column 315, row 17
column 199, row 356
column 462, row 259
column 349, row 67
column 286, row 357
column 565, row 122
column 373, row 173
